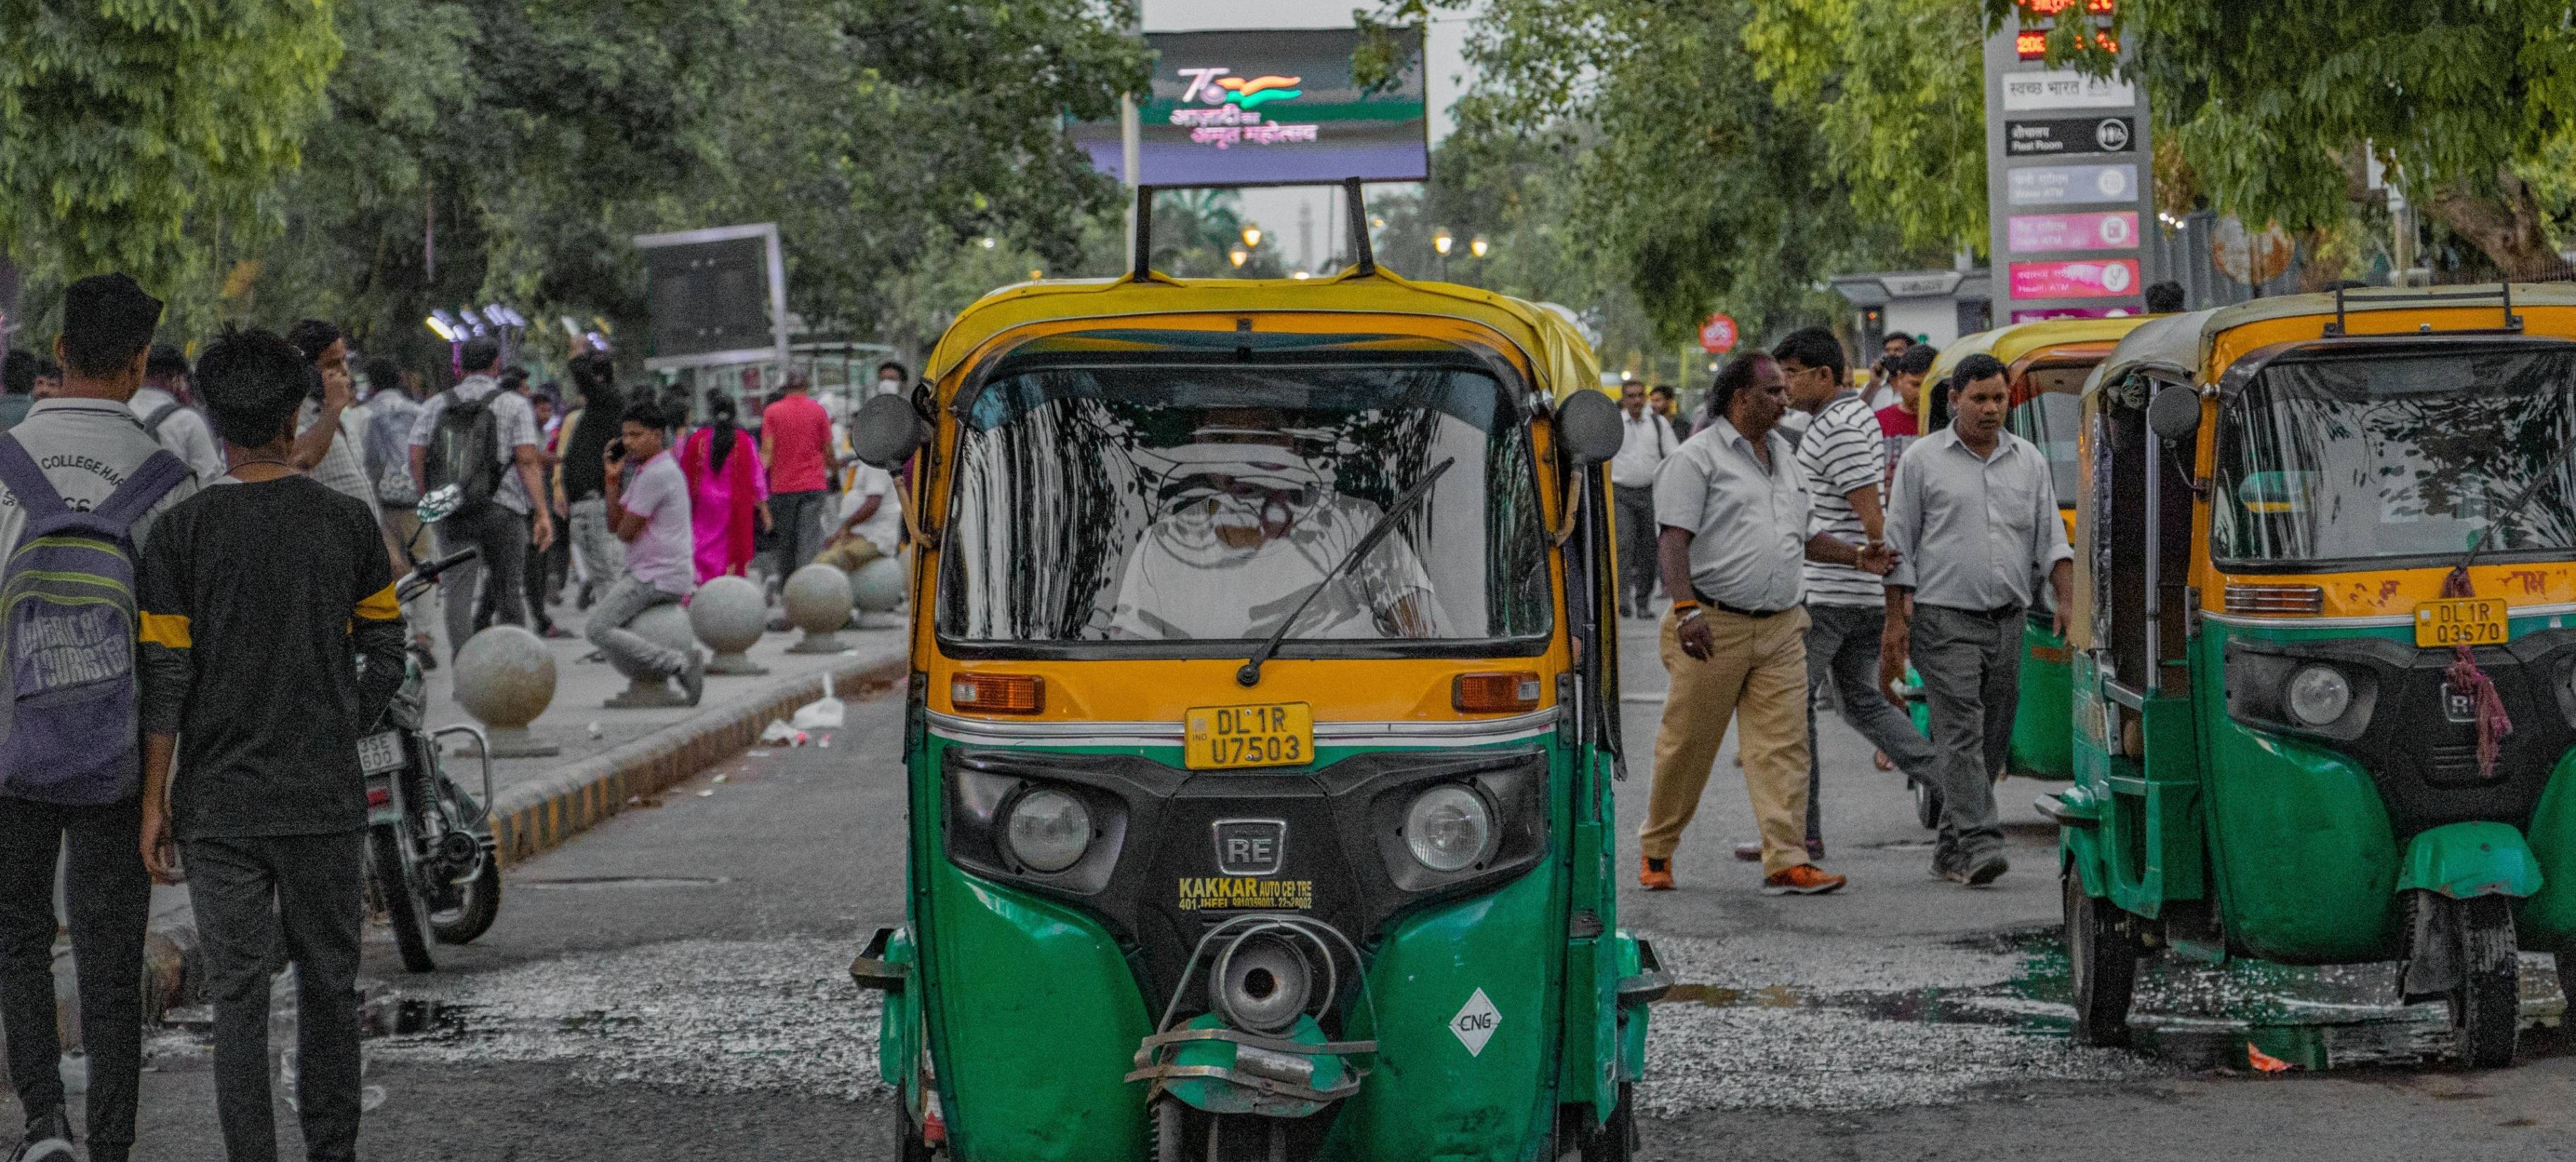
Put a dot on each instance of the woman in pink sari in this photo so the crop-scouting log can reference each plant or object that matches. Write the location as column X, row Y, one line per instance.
column 727, row 491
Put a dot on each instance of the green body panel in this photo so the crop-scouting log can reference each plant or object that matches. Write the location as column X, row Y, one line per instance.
column 899, row 1022
column 1033, row 1015
column 1426, row 1096
column 2043, row 737
column 1036, row 1017
column 2546, row 920
column 2146, row 846
column 2462, row 860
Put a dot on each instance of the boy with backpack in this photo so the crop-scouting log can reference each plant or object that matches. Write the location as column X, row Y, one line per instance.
column 69, row 761
column 272, row 640
column 483, row 440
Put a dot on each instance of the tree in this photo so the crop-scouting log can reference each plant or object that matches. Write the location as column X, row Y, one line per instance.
column 2469, row 102
column 128, row 128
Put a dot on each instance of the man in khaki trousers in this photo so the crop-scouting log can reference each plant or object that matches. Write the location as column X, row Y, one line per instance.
column 1733, row 507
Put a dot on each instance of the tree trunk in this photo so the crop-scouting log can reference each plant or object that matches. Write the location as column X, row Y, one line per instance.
column 2504, row 225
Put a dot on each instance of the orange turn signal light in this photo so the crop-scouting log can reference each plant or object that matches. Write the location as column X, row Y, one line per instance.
column 1495, row 693
column 998, row 693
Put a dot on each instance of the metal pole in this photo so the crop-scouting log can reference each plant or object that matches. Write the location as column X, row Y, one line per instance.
column 1131, row 148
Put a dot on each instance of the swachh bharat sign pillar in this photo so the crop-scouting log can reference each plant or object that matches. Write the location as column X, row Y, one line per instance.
column 2069, row 187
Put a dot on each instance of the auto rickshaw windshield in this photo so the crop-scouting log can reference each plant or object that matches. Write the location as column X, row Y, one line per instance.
column 2371, row 457
column 1142, row 503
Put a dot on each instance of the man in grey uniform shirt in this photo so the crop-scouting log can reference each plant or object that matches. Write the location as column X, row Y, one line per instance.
column 1972, row 518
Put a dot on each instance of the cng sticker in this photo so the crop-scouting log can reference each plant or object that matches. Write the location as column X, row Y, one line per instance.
column 1475, row 1023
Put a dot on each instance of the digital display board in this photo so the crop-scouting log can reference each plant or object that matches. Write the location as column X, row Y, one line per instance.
column 1270, row 108
column 2069, row 184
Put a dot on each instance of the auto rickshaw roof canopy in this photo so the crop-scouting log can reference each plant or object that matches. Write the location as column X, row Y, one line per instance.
column 2182, row 345
column 1552, row 352
column 2011, row 343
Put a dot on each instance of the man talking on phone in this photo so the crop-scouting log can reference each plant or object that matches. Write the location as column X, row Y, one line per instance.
column 652, row 516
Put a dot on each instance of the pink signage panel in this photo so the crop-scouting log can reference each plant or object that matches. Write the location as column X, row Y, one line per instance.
column 2110, row 278
column 2070, row 313
column 2036, row 233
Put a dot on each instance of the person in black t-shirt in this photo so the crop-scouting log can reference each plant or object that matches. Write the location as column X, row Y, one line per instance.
column 261, row 595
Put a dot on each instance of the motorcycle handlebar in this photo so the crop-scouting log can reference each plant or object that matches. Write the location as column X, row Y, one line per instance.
column 429, row 571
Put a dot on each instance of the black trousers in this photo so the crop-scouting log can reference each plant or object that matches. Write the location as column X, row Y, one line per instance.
column 306, row 893
column 798, row 517
column 1634, row 522
column 501, row 538
column 110, row 898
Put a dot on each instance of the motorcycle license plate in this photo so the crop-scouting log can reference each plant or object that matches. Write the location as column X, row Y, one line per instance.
column 1277, row 735
column 380, row 752
column 2460, row 621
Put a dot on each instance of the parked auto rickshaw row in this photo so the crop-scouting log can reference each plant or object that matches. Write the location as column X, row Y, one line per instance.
column 1261, row 730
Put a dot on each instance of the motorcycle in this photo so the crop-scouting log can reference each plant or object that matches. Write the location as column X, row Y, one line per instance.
column 431, row 860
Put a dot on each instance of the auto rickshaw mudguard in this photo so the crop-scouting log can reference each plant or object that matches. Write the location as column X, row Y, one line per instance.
column 2546, row 920
column 2079, row 837
column 2305, row 857
column 2466, row 860
column 899, row 1021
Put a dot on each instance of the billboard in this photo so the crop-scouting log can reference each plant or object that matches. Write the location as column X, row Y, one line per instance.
column 1270, row 108
column 714, row 296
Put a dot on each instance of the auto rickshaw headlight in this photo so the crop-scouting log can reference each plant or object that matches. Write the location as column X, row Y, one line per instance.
column 2319, row 695
column 1448, row 828
column 1049, row 830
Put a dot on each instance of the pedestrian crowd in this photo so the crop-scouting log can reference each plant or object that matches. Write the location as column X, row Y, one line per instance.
column 203, row 561
column 1813, row 541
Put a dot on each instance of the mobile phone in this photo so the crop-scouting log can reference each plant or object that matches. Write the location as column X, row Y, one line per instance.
column 617, row 449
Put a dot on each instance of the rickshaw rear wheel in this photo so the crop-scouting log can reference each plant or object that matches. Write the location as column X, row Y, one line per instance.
column 2486, row 1005
column 1614, row 1140
column 2101, row 964
column 1927, row 804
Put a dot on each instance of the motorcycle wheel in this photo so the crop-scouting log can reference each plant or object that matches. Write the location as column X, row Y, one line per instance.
column 1167, row 1131
column 1927, row 805
column 478, row 897
column 2486, row 1006
column 401, row 897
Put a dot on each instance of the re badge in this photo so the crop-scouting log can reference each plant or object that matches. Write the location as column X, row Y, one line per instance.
column 1475, row 1023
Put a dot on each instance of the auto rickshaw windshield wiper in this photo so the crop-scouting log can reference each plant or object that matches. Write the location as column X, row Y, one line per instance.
column 1250, row 674
column 2514, row 507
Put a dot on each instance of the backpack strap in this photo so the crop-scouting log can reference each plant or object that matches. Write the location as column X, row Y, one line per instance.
column 152, row 423
column 27, row 482
column 159, row 473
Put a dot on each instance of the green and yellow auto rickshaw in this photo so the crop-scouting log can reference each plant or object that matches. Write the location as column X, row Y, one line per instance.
column 2047, row 362
column 1261, row 730
column 2324, row 676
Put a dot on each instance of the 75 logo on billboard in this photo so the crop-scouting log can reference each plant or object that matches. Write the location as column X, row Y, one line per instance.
column 1217, row 85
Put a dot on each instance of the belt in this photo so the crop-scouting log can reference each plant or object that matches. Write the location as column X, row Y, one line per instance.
column 1737, row 610
column 1998, row 613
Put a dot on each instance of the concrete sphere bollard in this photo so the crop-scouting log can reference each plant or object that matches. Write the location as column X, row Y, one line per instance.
column 728, row 615
column 505, row 678
column 662, row 625
column 818, row 602
column 878, row 587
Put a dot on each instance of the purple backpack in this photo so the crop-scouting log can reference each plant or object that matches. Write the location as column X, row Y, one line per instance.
column 68, row 724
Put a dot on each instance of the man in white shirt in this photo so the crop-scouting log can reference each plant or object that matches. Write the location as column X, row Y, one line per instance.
column 1648, row 440
column 499, row 531
column 873, row 525
column 165, row 413
column 652, row 516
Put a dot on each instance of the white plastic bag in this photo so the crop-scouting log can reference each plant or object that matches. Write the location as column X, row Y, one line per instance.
column 824, row 713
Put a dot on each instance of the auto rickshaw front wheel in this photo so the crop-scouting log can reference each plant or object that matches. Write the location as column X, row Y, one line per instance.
column 2486, row 1004
column 2102, row 952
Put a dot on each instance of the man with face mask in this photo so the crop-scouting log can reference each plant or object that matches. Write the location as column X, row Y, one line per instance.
column 892, row 378
column 1252, row 526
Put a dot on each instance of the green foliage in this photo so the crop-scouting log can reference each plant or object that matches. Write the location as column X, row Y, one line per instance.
column 1702, row 184
column 127, row 126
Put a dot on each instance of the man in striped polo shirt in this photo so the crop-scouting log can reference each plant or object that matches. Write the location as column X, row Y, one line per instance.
column 1844, row 456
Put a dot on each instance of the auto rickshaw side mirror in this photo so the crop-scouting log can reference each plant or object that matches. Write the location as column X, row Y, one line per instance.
column 887, row 431
column 2174, row 414
column 1589, row 424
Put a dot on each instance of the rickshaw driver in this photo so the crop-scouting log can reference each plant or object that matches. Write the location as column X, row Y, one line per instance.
column 1254, row 525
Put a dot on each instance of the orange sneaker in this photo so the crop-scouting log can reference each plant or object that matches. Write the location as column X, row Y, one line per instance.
column 1801, row 880
column 1655, row 875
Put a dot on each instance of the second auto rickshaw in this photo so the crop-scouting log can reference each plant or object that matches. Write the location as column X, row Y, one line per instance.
column 2324, row 671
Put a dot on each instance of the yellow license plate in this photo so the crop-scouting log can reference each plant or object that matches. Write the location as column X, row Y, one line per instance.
column 2460, row 621
column 1277, row 735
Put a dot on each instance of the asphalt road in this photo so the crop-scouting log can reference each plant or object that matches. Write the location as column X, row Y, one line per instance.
column 671, row 985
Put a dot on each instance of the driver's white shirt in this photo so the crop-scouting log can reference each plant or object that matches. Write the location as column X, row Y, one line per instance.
column 1183, row 583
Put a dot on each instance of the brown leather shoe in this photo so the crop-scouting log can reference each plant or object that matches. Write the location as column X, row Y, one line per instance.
column 1655, row 875
column 1802, row 880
